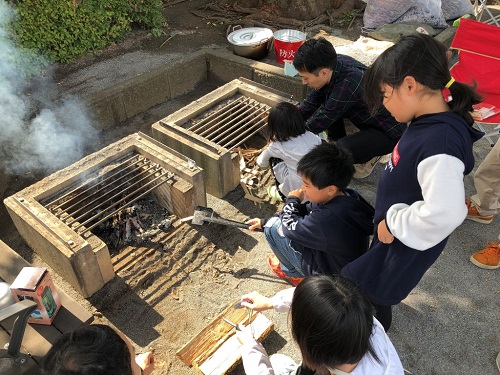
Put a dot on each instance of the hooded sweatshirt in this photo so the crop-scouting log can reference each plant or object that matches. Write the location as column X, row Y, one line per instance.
column 328, row 235
column 421, row 196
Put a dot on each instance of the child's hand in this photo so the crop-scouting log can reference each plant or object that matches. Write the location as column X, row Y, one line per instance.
column 255, row 224
column 146, row 362
column 383, row 233
column 256, row 301
column 297, row 193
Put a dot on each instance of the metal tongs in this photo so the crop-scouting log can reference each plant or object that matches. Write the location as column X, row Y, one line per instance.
column 237, row 326
column 233, row 324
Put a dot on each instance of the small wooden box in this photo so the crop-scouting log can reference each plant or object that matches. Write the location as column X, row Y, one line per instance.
column 216, row 349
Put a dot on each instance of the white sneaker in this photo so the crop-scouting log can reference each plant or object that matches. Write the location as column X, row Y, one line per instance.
column 365, row 169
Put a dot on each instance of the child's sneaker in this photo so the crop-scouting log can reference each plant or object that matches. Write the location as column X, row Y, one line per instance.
column 274, row 193
column 274, row 264
column 488, row 258
column 474, row 215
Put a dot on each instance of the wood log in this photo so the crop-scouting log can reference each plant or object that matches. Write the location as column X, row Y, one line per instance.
column 227, row 356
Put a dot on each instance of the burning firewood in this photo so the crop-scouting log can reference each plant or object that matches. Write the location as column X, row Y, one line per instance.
column 137, row 223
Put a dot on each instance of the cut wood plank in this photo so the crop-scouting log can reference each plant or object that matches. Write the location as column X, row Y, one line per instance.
column 228, row 356
column 213, row 336
column 217, row 330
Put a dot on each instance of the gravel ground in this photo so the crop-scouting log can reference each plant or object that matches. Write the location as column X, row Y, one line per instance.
column 447, row 325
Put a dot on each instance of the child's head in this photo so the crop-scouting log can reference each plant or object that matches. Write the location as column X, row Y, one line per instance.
column 327, row 165
column 284, row 122
column 332, row 322
column 95, row 349
column 421, row 58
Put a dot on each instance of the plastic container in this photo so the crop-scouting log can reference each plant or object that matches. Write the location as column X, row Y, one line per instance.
column 289, row 69
column 286, row 43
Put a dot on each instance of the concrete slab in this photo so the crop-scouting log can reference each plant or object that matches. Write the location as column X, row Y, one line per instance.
column 225, row 67
column 276, row 79
column 187, row 73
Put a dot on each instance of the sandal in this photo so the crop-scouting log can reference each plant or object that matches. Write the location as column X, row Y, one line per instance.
column 274, row 265
column 274, row 193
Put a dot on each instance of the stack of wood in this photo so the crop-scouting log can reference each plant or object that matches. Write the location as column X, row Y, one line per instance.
column 250, row 173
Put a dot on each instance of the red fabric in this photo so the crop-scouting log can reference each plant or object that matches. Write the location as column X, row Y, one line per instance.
column 479, row 61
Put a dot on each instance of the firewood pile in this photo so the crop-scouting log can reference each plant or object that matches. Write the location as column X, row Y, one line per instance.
column 252, row 178
column 136, row 224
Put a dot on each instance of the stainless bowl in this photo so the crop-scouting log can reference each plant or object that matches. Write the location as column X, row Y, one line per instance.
column 251, row 42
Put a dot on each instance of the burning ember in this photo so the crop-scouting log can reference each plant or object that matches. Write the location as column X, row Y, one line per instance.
column 135, row 224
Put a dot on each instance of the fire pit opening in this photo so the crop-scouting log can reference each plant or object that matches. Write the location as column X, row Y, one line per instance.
column 113, row 202
column 213, row 129
column 236, row 122
column 74, row 217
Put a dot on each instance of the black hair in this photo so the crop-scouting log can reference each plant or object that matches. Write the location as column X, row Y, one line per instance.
column 423, row 58
column 285, row 121
column 314, row 55
column 332, row 322
column 89, row 350
column 327, row 164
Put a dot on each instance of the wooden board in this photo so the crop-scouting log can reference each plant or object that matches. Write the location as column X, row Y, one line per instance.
column 38, row 339
column 227, row 356
column 217, row 340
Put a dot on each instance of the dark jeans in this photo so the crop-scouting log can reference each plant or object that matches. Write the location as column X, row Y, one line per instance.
column 363, row 145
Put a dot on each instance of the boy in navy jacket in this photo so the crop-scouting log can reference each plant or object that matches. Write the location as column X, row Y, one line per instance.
column 328, row 231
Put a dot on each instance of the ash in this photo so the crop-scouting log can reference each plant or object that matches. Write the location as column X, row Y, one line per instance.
column 135, row 225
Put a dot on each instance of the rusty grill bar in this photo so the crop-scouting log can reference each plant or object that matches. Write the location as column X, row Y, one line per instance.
column 101, row 197
column 234, row 123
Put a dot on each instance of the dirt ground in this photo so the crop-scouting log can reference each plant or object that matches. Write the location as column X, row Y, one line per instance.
column 188, row 274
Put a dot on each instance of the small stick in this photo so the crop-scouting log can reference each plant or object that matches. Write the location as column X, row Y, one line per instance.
column 161, row 45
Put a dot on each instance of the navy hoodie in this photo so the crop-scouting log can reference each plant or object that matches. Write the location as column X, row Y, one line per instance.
column 328, row 235
column 421, row 196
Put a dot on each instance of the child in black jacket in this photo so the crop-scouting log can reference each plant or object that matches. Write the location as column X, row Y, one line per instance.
column 330, row 230
column 420, row 194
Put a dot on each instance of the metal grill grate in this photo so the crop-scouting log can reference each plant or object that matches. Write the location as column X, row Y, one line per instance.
column 101, row 197
column 234, row 123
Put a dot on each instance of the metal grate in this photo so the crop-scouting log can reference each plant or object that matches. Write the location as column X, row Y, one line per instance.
column 234, row 123
column 101, row 197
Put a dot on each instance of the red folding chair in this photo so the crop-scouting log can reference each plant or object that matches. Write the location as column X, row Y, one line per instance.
column 479, row 64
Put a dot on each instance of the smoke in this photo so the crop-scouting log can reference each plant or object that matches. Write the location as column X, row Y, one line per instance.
column 37, row 133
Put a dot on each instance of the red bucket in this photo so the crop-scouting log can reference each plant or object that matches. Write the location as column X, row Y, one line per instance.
column 286, row 43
